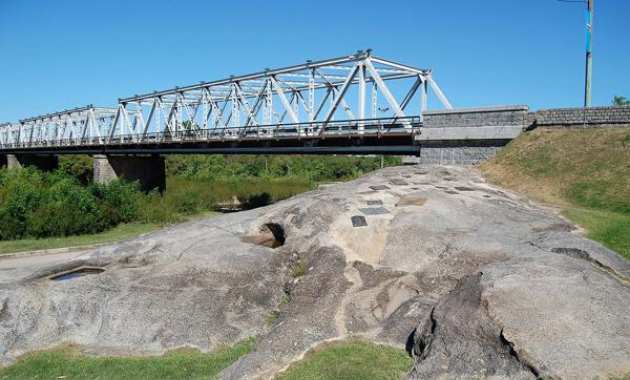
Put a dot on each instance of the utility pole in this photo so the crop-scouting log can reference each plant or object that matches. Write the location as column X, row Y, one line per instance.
column 589, row 53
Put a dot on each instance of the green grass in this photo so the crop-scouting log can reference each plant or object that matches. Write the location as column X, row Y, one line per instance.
column 586, row 171
column 66, row 363
column 351, row 360
column 273, row 318
column 608, row 227
column 300, row 269
column 120, row 232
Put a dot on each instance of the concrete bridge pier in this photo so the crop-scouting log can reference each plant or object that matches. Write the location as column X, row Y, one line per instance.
column 46, row 163
column 149, row 170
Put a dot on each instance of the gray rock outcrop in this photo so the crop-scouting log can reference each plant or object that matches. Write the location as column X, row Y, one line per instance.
column 475, row 281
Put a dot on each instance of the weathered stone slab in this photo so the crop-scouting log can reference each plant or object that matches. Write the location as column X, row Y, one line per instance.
column 374, row 210
column 358, row 221
column 398, row 182
column 372, row 203
column 379, row 187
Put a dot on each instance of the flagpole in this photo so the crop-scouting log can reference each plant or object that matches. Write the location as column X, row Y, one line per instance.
column 589, row 55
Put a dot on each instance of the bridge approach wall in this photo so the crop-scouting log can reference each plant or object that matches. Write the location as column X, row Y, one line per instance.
column 471, row 135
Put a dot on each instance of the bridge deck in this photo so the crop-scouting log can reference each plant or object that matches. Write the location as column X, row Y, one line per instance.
column 384, row 135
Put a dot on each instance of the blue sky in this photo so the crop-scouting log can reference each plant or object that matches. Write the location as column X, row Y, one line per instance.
column 67, row 53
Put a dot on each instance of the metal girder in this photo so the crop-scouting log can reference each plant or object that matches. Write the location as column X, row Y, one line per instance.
column 313, row 97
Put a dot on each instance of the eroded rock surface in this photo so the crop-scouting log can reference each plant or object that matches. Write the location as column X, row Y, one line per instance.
column 475, row 281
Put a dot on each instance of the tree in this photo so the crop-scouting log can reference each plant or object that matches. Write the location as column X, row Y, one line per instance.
column 620, row 101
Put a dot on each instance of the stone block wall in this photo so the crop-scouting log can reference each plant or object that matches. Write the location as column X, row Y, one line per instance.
column 459, row 152
column 593, row 117
column 476, row 117
column 468, row 135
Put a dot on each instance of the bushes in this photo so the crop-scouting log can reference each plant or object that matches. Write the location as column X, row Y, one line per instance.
column 311, row 168
column 38, row 204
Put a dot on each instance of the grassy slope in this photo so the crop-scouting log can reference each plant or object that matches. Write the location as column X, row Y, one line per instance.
column 120, row 232
column 65, row 363
column 351, row 360
column 586, row 171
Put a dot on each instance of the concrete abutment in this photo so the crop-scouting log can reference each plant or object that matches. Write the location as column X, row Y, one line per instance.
column 149, row 171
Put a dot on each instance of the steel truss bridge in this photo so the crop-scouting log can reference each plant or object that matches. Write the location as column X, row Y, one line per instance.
column 352, row 104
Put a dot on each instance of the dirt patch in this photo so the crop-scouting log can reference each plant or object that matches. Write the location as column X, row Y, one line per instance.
column 416, row 199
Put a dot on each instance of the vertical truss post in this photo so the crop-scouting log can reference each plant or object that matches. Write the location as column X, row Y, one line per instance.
column 374, row 99
column 361, row 121
column 311, row 95
column 296, row 104
column 236, row 114
column 126, row 122
column 204, row 109
column 268, row 104
column 423, row 98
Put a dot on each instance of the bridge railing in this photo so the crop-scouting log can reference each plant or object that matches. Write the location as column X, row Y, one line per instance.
column 373, row 127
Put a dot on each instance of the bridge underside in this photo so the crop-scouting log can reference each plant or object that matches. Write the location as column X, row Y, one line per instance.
column 392, row 146
column 339, row 143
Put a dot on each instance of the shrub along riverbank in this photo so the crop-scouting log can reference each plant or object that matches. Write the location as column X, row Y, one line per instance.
column 35, row 204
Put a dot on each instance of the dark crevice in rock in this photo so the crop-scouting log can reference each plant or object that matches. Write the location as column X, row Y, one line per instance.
column 510, row 346
column 458, row 339
column 584, row 255
column 410, row 343
column 5, row 314
column 573, row 252
column 426, row 337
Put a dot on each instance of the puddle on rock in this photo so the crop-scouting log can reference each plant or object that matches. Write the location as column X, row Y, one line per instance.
column 75, row 273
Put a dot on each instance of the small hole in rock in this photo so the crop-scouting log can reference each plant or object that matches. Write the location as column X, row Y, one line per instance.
column 75, row 273
column 271, row 236
column 278, row 233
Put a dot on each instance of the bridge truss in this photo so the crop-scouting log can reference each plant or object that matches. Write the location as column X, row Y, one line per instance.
column 352, row 97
